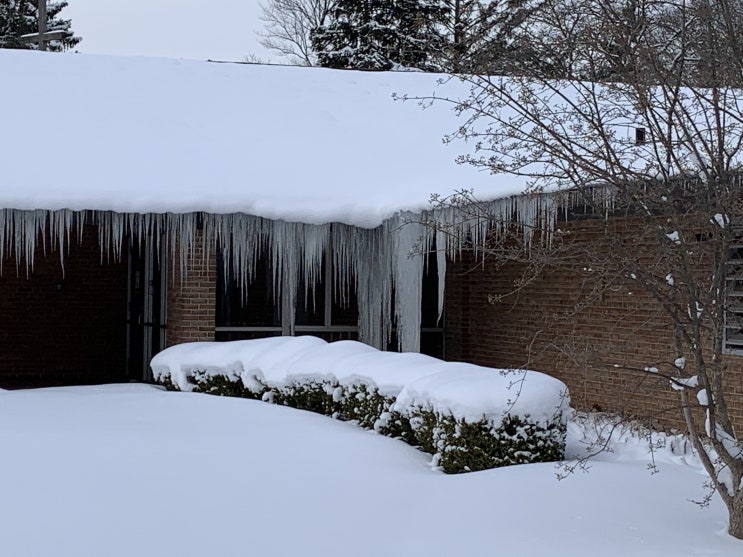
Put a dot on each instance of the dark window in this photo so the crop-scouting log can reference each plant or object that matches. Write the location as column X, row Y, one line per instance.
column 733, row 331
column 255, row 307
column 328, row 310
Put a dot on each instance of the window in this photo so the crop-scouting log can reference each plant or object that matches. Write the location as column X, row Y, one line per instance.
column 328, row 310
column 733, row 331
column 247, row 315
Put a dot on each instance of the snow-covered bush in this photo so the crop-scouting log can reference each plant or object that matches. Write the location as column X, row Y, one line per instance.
column 363, row 403
column 216, row 384
column 315, row 395
column 462, row 446
column 469, row 417
column 455, row 416
column 359, row 402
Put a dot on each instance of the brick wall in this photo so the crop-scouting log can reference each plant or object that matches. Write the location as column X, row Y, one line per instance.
column 192, row 298
column 538, row 328
column 59, row 329
column 71, row 328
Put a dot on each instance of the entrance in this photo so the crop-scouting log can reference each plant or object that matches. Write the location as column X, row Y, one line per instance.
column 146, row 318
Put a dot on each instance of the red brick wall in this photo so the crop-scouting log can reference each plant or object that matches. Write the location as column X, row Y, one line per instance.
column 192, row 298
column 538, row 328
column 75, row 334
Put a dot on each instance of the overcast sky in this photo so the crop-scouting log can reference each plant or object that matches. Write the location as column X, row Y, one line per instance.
column 199, row 29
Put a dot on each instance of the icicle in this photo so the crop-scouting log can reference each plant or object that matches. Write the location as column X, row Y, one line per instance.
column 182, row 229
column 118, row 231
column 283, row 252
column 60, row 223
column 341, row 246
column 26, row 227
column 240, row 238
column 42, row 230
column 3, row 238
column 372, row 268
column 315, row 240
column 446, row 244
column 407, row 271
column 102, row 219
column 85, row 216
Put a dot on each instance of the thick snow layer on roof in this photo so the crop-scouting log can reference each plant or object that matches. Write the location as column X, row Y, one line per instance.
column 158, row 135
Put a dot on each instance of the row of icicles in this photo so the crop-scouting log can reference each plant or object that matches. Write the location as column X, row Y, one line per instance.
column 386, row 264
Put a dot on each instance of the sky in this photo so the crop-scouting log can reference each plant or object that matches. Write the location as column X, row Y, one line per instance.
column 216, row 30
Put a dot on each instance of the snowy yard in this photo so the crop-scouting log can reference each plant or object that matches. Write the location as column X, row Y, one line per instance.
column 127, row 470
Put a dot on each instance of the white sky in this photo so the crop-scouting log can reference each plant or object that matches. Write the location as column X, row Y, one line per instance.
column 198, row 29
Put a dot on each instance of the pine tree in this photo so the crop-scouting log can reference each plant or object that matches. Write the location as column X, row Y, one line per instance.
column 480, row 34
column 19, row 17
column 380, row 35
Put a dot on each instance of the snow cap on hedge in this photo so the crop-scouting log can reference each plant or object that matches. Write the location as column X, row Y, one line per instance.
column 469, row 392
column 265, row 358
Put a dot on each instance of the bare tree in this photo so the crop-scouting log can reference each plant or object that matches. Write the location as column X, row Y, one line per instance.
column 653, row 159
column 288, row 24
column 583, row 39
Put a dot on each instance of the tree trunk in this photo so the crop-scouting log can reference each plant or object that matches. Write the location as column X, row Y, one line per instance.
column 735, row 510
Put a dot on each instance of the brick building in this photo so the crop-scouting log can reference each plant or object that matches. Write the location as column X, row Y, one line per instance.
column 176, row 214
column 600, row 340
column 191, row 200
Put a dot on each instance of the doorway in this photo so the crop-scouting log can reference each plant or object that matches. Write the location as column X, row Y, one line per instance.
column 146, row 319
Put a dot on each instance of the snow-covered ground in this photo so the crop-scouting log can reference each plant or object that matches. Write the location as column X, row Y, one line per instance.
column 126, row 470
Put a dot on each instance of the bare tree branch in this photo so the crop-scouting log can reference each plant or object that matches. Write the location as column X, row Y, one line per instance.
column 287, row 27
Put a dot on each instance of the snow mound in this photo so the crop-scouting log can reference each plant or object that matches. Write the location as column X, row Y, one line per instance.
column 469, row 392
column 608, row 437
column 465, row 391
column 351, row 362
column 266, row 357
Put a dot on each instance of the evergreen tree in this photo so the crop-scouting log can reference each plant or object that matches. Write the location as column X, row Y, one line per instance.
column 19, row 17
column 480, row 34
column 380, row 35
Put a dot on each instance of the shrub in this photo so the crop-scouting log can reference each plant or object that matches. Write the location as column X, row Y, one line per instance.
column 456, row 445
column 222, row 386
column 461, row 446
column 396, row 425
column 166, row 382
column 313, row 395
column 363, row 403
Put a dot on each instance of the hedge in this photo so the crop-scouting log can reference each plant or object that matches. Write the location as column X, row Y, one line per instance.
column 457, row 445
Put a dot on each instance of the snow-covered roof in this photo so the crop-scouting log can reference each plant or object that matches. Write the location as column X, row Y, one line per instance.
column 158, row 135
